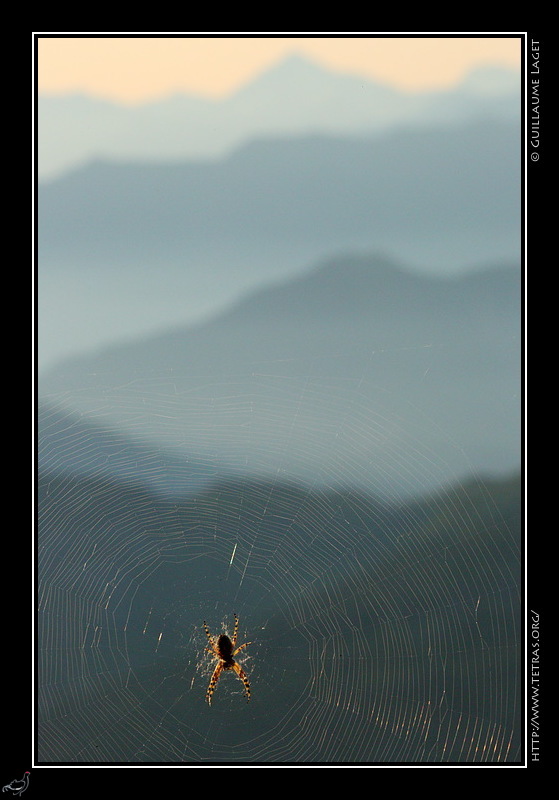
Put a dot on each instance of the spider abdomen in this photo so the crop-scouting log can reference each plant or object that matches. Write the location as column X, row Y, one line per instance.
column 225, row 648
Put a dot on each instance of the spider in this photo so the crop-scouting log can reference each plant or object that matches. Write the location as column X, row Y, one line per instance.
column 223, row 649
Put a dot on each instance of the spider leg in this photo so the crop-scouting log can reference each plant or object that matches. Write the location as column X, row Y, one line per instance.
column 240, row 672
column 246, row 644
column 208, row 634
column 213, row 682
column 212, row 648
column 235, row 631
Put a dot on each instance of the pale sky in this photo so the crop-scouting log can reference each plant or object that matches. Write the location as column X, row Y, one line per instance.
column 136, row 69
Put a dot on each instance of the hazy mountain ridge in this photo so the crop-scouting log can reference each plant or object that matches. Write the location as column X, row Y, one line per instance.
column 146, row 246
column 348, row 299
column 272, row 204
column 291, row 98
column 358, row 332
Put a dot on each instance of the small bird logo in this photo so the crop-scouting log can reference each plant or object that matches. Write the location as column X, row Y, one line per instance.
column 17, row 787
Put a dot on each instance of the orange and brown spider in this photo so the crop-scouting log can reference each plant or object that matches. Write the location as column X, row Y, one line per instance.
column 224, row 649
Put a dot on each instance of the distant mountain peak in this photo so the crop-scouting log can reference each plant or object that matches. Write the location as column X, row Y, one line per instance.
column 297, row 74
column 296, row 60
column 293, row 65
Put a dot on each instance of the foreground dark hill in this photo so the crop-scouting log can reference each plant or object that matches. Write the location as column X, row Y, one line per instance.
column 408, row 608
column 344, row 373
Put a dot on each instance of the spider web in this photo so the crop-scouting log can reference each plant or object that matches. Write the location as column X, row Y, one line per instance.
column 376, row 576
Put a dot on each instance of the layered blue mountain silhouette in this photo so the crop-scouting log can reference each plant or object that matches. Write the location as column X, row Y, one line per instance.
column 176, row 283
column 357, row 359
column 126, row 249
column 431, row 190
column 293, row 97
